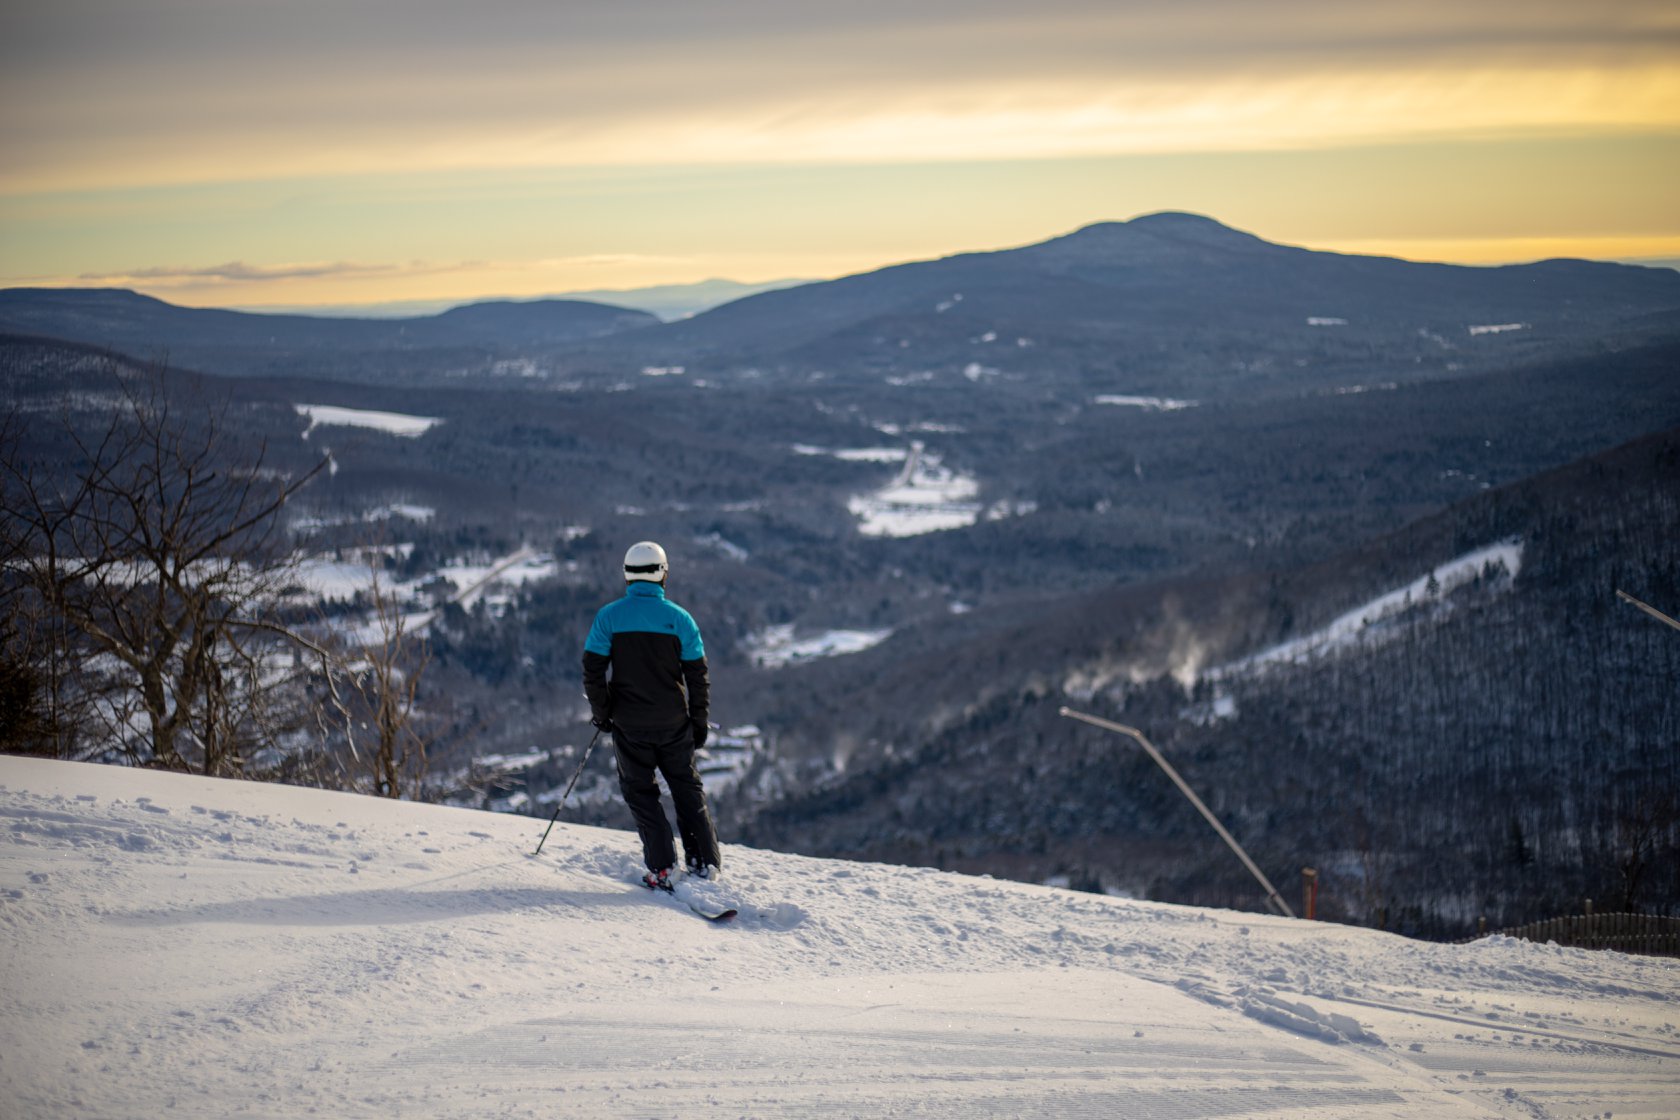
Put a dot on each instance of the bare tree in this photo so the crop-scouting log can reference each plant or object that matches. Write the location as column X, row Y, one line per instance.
column 1644, row 828
column 23, row 718
column 158, row 551
column 372, row 687
column 44, row 707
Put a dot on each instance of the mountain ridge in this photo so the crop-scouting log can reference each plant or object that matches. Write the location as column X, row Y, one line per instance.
column 246, row 343
column 1118, row 295
column 1122, row 294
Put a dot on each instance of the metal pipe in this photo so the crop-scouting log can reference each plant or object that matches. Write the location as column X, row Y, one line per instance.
column 1647, row 608
column 1272, row 895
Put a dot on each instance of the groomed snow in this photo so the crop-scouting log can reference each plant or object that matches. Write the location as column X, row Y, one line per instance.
column 775, row 646
column 926, row 497
column 183, row 947
column 857, row 454
column 1363, row 623
column 408, row 510
column 395, row 423
column 493, row 581
column 1148, row 404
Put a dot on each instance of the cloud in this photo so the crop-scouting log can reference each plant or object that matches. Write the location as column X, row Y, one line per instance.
column 347, row 276
column 759, row 36
column 240, row 272
column 200, row 90
column 587, row 260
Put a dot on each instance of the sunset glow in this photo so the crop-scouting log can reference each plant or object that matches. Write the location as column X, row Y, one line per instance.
column 237, row 158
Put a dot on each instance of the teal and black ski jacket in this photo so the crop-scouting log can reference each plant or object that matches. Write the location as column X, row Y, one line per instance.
column 657, row 661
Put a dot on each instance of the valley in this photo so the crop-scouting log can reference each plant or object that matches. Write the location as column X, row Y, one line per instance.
column 1161, row 467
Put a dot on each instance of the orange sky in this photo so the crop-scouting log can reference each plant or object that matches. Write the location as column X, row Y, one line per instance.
column 320, row 153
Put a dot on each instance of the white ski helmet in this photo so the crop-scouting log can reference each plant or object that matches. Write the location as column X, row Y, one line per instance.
column 645, row 560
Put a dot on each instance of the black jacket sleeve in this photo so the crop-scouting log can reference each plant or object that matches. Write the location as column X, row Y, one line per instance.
column 595, row 685
column 699, row 688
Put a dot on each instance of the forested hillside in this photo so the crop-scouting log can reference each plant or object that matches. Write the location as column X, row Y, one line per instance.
column 1506, row 750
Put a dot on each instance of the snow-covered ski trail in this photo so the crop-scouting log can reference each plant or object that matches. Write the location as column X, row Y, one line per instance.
column 193, row 948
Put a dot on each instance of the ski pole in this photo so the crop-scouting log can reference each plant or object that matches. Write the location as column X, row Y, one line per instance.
column 569, row 785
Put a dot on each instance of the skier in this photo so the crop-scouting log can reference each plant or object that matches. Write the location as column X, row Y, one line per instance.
column 654, row 707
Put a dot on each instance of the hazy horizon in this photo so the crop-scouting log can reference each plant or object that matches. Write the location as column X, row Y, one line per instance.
column 666, row 294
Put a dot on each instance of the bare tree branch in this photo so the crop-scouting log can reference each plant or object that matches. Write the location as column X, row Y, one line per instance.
column 156, row 547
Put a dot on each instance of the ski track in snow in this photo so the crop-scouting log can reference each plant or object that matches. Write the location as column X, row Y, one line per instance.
column 186, row 947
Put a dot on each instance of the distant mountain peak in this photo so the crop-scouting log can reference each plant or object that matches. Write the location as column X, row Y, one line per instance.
column 1160, row 222
column 1148, row 239
column 1176, row 217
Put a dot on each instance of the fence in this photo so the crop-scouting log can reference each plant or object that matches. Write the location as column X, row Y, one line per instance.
column 1646, row 934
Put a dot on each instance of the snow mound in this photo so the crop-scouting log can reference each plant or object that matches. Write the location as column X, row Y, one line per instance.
column 1304, row 1019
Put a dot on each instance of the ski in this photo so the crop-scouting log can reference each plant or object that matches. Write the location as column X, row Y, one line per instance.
column 711, row 914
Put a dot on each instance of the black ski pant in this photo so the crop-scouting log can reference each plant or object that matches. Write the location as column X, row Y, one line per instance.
column 640, row 756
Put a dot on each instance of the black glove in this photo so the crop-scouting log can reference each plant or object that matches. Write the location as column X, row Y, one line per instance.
column 602, row 723
column 700, row 731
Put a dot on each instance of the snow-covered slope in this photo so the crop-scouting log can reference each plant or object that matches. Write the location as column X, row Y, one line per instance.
column 1366, row 623
column 174, row 946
